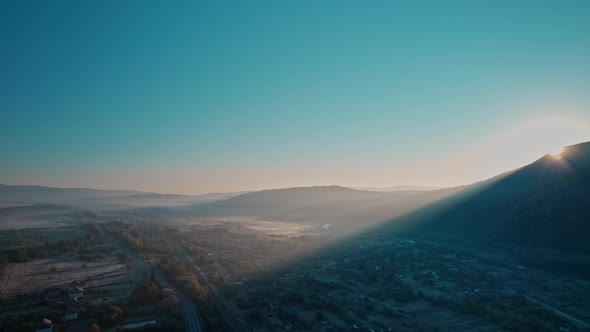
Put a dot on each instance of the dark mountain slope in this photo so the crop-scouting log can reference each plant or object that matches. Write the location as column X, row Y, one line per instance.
column 546, row 203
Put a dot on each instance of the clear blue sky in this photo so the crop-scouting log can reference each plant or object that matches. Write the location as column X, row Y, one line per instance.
column 216, row 96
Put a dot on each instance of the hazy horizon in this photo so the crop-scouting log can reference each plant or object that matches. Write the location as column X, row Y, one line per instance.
column 379, row 187
column 197, row 188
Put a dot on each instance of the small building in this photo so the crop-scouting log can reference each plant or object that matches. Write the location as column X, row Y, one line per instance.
column 138, row 325
column 71, row 313
column 44, row 325
column 75, row 292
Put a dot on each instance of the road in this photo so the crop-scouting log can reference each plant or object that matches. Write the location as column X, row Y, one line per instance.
column 219, row 303
column 192, row 319
column 575, row 321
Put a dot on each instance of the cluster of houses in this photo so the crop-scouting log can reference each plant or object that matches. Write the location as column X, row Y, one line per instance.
column 69, row 295
column 62, row 304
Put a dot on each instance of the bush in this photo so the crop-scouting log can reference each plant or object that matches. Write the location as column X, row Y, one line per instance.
column 112, row 315
column 145, row 294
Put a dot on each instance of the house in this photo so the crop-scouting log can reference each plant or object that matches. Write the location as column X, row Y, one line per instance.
column 44, row 325
column 75, row 292
column 71, row 313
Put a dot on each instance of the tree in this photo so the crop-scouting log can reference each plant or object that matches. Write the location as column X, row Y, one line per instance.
column 112, row 315
column 145, row 294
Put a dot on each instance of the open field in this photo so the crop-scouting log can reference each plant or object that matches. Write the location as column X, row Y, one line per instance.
column 39, row 236
column 35, row 276
column 21, row 216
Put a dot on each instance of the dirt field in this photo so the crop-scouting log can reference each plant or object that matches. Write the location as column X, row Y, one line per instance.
column 27, row 278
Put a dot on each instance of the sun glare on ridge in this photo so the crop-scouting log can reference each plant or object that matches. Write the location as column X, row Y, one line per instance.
column 530, row 140
column 557, row 155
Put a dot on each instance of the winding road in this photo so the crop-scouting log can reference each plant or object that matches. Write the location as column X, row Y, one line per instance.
column 192, row 319
column 190, row 313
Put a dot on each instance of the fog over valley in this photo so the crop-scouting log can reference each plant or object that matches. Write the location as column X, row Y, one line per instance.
column 228, row 166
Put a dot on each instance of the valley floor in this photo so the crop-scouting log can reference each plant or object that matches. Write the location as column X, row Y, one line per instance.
column 369, row 282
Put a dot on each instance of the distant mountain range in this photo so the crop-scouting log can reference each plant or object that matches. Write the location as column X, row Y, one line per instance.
column 344, row 208
column 546, row 203
column 15, row 195
column 397, row 188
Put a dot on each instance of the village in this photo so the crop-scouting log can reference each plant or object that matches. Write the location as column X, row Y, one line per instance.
column 371, row 283
column 132, row 275
column 95, row 288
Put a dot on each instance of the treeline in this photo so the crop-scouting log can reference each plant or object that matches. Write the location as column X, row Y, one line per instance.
column 177, row 273
column 131, row 235
column 149, row 293
column 26, row 254
column 95, row 229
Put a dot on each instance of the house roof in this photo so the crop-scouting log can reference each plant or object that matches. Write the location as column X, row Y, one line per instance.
column 44, row 323
column 75, row 290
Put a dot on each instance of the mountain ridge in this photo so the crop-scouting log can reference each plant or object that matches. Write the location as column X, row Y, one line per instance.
column 543, row 204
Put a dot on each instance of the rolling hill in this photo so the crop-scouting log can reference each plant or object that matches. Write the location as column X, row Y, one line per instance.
column 19, row 195
column 346, row 209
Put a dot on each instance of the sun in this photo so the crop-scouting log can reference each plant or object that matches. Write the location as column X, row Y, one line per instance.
column 538, row 137
column 530, row 140
column 557, row 155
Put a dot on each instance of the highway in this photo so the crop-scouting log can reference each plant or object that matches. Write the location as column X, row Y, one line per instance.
column 219, row 303
column 190, row 313
column 192, row 320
